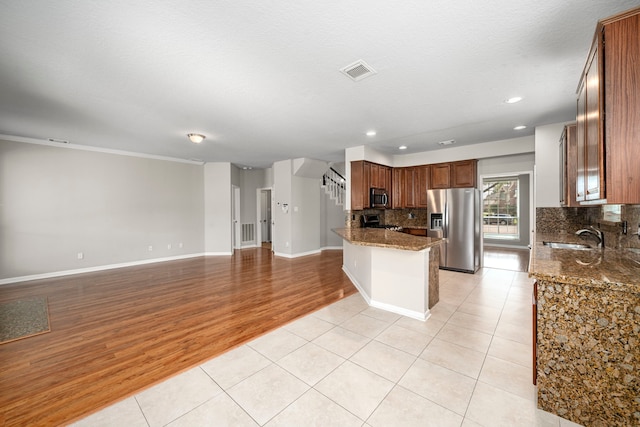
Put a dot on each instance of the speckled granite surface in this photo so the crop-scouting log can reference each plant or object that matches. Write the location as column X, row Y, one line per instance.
column 386, row 238
column 434, row 275
column 616, row 269
column 588, row 332
column 589, row 354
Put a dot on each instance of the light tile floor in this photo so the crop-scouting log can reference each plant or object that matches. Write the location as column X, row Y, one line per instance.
column 349, row 364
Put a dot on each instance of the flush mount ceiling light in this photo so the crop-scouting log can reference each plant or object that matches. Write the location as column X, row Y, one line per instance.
column 513, row 100
column 196, row 138
column 371, row 133
column 447, row 142
column 402, row 147
column 519, row 127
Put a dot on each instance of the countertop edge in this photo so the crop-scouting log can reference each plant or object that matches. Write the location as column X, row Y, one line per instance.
column 386, row 239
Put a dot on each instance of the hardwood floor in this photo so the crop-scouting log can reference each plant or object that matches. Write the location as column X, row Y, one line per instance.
column 116, row 332
column 514, row 259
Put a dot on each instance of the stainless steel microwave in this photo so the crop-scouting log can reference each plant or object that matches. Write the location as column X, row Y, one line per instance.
column 379, row 198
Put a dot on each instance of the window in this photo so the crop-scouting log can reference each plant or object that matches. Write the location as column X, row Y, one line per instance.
column 500, row 214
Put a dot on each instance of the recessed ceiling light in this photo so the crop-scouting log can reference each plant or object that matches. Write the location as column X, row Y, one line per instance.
column 513, row 100
column 402, row 147
column 519, row 127
column 196, row 138
column 371, row 133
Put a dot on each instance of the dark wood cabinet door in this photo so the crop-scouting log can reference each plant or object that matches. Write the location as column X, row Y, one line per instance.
column 463, row 174
column 594, row 161
column 581, row 140
column 568, row 166
column 397, row 188
column 621, row 95
column 360, row 184
column 357, row 185
column 423, row 185
column 375, row 176
column 440, row 175
column 409, row 193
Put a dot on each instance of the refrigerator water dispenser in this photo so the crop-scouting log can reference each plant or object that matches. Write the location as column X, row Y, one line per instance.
column 436, row 221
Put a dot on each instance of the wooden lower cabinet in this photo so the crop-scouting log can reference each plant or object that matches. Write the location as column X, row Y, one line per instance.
column 415, row 231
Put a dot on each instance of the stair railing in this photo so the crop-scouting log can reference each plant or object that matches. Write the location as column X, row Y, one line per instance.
column 334, row 185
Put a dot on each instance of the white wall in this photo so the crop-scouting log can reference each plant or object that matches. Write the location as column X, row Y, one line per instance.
column 547, row 182
column 331, row 216
column 56, row 202
column 297, row 231
column 506, row 147
column 305, row 215
column 282, row 195
column 217, row 208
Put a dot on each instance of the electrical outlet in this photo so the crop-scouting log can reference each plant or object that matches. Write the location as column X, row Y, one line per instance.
column 286, row 244
column 150, row 248
column 169, row 246
column 80, row 255
column 180, row 245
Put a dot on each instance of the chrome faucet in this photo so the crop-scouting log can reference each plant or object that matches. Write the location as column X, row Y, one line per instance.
column 594, row 232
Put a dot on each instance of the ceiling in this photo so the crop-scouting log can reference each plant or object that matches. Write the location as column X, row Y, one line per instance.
column 261, row 79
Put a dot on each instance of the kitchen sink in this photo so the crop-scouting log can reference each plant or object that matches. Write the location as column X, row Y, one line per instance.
column 561, row 245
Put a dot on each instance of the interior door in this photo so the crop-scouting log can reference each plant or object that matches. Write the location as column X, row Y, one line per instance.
column 236, row 239
column 265, row 215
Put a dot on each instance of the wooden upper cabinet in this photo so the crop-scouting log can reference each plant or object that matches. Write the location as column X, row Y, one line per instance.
column 460, row 174
column 422, row 176
column 409, row 192
column 397, row 188
column 621, row 46
column 568, row 162
column 440, row 175
column 608, row 114
column 364, row 176
column 360, row 184
column 463, row 174
column 581, row 140
column 594, row 158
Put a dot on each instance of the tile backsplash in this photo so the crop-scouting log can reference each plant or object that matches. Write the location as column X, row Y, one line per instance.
column 402, row 217
column 569, row 220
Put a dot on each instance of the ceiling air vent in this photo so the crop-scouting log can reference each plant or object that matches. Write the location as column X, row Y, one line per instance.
column 358, row 70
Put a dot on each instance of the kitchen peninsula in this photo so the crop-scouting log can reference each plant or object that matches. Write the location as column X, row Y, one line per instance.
column 393, row 271
column 586, row 331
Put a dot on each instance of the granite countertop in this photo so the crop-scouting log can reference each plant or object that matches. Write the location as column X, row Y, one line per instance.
column 615, row 269
column 386, row 238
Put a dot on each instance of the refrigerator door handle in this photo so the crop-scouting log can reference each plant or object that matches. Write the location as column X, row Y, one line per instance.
column 445, row 220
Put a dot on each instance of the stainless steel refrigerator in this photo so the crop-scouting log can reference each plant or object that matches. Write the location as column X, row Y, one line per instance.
column 455, row 216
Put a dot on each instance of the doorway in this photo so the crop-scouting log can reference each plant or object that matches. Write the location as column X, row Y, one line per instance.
column 506, row 218
column 235, row 218
column 265, row 221
column 506, row 210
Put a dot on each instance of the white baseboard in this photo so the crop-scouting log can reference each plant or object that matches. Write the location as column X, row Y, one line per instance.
column 299, row 254
column 387, row 307
column 331, row 248
column 94, row 269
